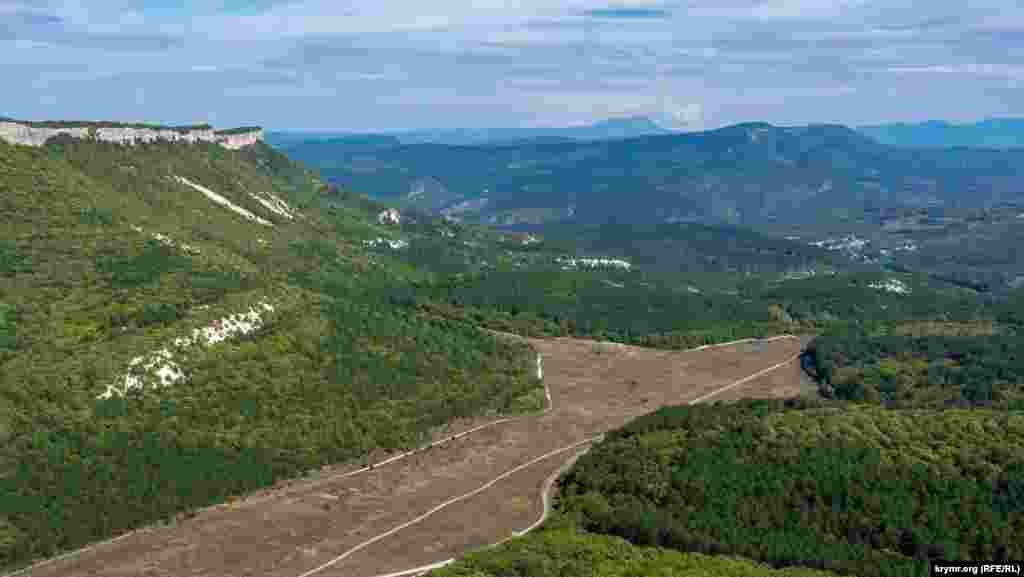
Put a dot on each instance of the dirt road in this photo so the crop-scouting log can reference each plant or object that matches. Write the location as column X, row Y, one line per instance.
column 458, row 493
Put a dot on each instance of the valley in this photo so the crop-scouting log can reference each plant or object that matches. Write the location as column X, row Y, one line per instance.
column 204, row 348
column 293, row 529
column 601, row 288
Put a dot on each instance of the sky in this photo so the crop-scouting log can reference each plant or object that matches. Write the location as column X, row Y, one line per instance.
column 384, row 65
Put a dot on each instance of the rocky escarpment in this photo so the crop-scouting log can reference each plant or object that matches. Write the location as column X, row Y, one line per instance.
column 37, row 133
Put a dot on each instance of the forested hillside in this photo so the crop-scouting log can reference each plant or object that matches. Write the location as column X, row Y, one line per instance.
column 180, row 323
column 568, row 551
column 685, row 310
column 939, row 369
column 851, row 489
column 689, row 247
column 184, row 323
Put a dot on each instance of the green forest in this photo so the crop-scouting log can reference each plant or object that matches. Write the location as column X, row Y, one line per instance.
column 852, row 489
column 334, row 371
column 106, row 257
column 563, row 550
column 917, row 370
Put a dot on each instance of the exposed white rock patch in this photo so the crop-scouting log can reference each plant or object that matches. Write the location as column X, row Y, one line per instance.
column 161, row 364
column 389, row 216
column 274, row 204
column 227, row 327
column 693, row 290
column 800, row 274
column 613, row 284
column 847, row 243
column 891, row 285
column 395, row 244
column 168, row 241
column 568, row 263
column 905, row 247
column 223, row 201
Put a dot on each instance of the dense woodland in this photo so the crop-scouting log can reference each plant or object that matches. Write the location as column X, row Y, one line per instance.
column 688, row 247
column 335, row 371
column 668, row 311
column 852, row 489
column 373, row 348
column 902, row 369
column 806, row 487
column 563, row 550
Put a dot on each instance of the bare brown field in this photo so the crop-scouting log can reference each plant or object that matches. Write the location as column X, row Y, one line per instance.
column 322, row 524
column 783, row 383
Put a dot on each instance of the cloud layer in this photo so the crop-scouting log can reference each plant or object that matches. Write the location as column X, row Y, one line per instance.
column 396, row 64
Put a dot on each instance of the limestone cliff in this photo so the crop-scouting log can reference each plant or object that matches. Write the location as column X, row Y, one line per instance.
column 37, row 133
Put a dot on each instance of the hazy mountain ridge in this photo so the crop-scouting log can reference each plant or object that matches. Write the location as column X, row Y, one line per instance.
column 610, row 129
column 988, row 133
column 747, row 173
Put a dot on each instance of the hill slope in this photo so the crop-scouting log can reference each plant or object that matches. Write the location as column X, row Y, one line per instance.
column 182, row 322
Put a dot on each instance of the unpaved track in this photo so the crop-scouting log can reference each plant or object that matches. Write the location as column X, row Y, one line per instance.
column 290, row 531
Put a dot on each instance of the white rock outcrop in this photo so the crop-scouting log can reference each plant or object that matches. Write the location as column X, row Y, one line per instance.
column 275, row 205
column 223, row 201
column 598, row 262
column 168, row 241
column 389, row 216
column 891, row 285
column 28, row 134
column 394, row 244
column 161, row 363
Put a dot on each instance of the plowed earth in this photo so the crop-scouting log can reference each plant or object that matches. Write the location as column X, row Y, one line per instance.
column 334, row 524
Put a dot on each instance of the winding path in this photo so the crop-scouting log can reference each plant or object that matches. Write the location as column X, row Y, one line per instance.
column 461, row 492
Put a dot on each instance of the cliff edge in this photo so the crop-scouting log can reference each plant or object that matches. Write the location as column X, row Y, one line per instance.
column 37, row 133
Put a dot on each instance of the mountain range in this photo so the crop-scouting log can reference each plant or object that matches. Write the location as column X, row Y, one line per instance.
column 183, row 323
column 749, row 173
column 988, row 133
column 609, row 129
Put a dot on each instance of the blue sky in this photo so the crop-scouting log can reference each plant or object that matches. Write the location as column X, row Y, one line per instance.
column 401, row 64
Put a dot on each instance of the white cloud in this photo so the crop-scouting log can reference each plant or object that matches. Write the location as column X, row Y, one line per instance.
column 404, row 64
column 971, row 69
column 687, row 116
column 805, row 9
